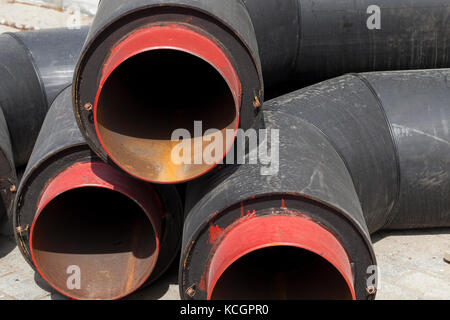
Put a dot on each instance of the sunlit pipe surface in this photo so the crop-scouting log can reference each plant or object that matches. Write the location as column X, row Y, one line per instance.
column 34, row 67
column 357, row 154
column 76, row 216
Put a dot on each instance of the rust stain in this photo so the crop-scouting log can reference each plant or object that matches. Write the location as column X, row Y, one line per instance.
column 202, row 284
column 256, row 102
column 283, row 204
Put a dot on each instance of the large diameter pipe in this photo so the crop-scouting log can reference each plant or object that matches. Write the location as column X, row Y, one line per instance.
column 392, row 131
column 357, row 154
column 141, row 54
column 76, row 215
column 150, row 67
column 313, row 40
column 34, row 67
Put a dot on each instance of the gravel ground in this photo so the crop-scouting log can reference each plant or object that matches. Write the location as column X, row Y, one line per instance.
column 410, row 263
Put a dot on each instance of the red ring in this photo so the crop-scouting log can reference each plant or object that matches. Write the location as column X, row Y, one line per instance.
column 264, row 232
column 100, row 175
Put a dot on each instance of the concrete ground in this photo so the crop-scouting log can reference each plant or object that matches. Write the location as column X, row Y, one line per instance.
column 18, row 15
column 411, row 263
column 411, row 267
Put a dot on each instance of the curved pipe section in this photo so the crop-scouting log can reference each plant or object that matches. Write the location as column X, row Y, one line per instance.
column 359, row 154
column 74, row 213
column 92, row 218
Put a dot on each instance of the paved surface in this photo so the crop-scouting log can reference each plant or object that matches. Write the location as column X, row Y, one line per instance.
column 411, row 263
column 16, row 16
column 411, row 266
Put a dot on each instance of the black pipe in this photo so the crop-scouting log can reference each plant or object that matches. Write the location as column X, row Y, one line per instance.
column 8, row 176
column 60, row 148
column 312, row 40
column 300, row 42
column 165, row 81
column 358, row 154
column 34, row 67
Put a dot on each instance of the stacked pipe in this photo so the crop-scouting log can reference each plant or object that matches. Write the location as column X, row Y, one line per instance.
column 98, row 192
column 358, row 154
column 80, row 212
column 34, row 67
column 205, row 60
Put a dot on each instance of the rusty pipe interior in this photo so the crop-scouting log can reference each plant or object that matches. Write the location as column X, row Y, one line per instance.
column 281, row 273
column 103, row 234
column 147, row 98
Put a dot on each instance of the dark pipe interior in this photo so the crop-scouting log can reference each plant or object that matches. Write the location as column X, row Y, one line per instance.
column 151, row 95
column 106, row 234
column 281, row 273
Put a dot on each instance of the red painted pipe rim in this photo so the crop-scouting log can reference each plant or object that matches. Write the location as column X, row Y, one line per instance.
column 172, row 37
column 257, row 233
column 100, row 175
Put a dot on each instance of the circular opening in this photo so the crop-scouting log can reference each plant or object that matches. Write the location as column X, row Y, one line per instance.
column 94, row 243
column 152, row 94
column 281, row 272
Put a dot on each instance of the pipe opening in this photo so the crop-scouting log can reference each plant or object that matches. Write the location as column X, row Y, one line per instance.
column 94, row 243
column 152, row 94
column 281, row 273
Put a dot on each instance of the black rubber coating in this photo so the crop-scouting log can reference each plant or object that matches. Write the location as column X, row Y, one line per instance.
column 315, row 40
column 358, row 154
column 34, row 67
column 60, row 145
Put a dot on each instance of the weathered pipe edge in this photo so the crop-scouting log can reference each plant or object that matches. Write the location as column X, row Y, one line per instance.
column 34, row 67
column 358, row 154
column 312, row 40
column 225, row 23
column 61, row 146
column 8, row 177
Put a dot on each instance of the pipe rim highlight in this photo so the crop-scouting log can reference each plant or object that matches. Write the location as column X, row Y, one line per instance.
column 102, row 176
column 179, row 38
